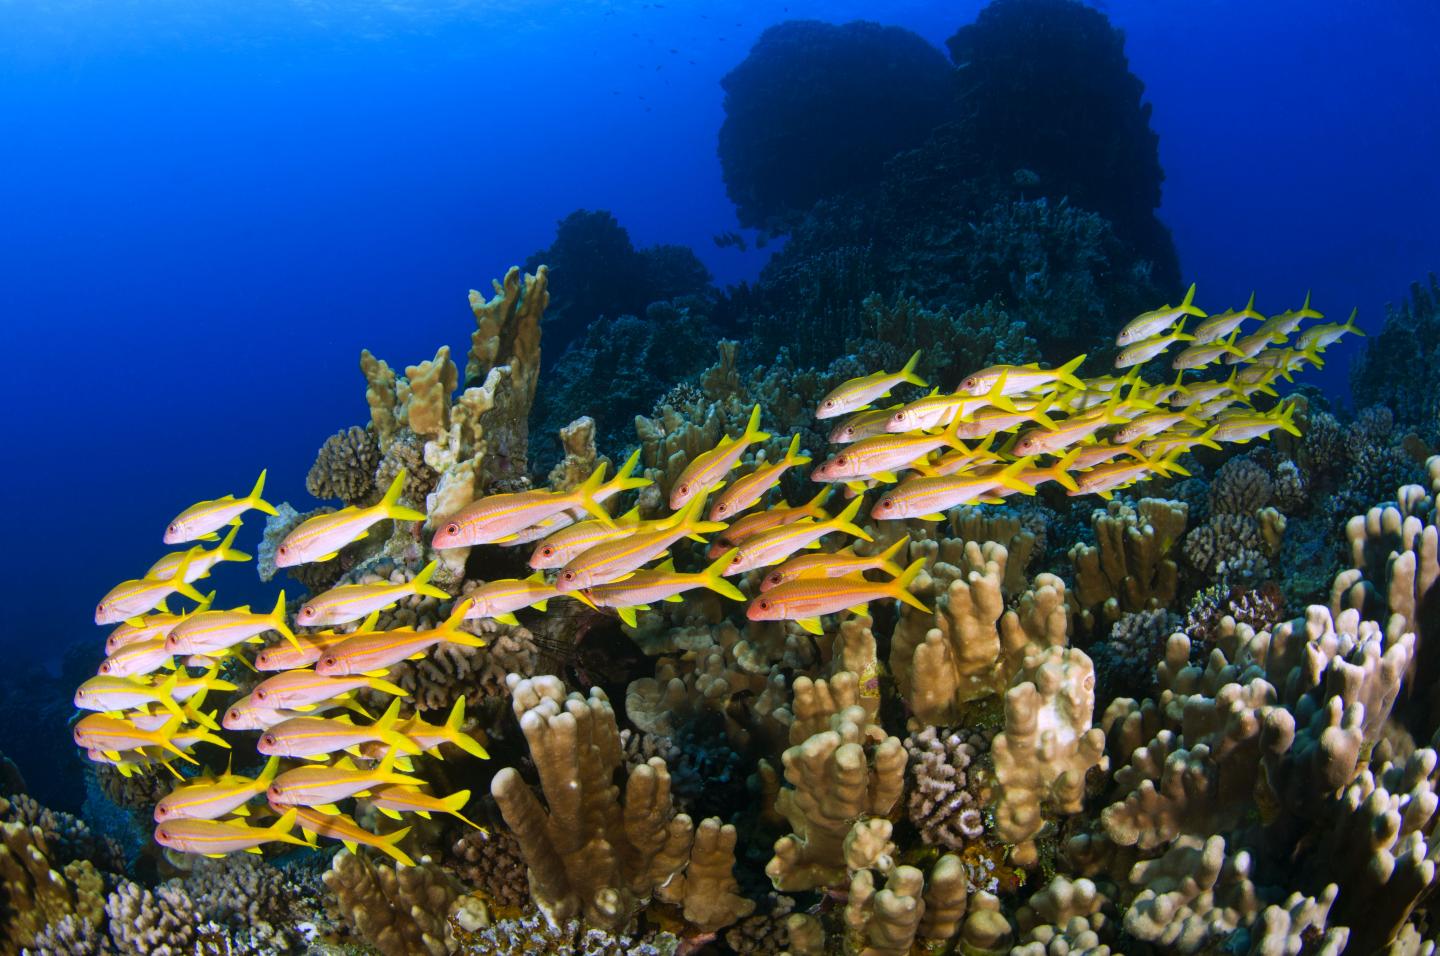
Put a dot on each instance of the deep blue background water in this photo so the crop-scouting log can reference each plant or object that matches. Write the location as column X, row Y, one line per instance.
column 208, row 209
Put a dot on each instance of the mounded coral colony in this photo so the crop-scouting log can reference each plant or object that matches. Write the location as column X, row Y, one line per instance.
column 1200, row 720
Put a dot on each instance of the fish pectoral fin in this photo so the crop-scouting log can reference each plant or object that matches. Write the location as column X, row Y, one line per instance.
column 208, row 536
column 392, row 814
column 935, row 516
column 329, row 809
column 886, row 476
column 810, row 624
column 627, row 614
column 328, row 557
column 507, row 618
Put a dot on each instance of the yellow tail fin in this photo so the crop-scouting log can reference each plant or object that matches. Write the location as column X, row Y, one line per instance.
column 387, row 845
column 1187, row 304
column 887, row 557
column 907, row 374
column 1066, row 373
column 586, row 495
column 752, row 428
column 792, row 454
column 844, row 521
column 714, row 576
column 255, row 501
column 899, row 588
column 458, row 737
column 390, row 505
column 420, row 584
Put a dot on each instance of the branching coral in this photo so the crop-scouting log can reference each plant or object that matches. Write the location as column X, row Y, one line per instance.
column 401, row 911
column 1130, row 567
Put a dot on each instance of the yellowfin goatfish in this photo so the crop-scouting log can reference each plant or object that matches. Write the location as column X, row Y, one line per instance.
column 836, row 565
column 211, row 631
column 395, row 800
column 311, row 737
column 308, row 648
column 299, row 690
column 338, row 826
column 710, row 468
column 496, row 519
column 777, row 544
column 1102, row 480
column 1020, row 379
column 559, row 548
column 111, row 735
column 320, row 538
column 200, row 521
column 149, row 626
column 1247, row 348
column 762, row 521
column 210, row 798
column 859, row 392
column 1199, row 356
column 863, row 425
column 500, row 599
column 322, row 787
column 988, row 421
column 1323, row 336
column 929, row 498
column 805, row 600
column 1072, row 431
column 613, row 560
column 248, row 714
column 1152, row 424
column 883, row 455
column 1147, row 325
column 130, row 599
column 201, row 563
column 1241, row 427
column 429, row 737
column 351, row 602
column 214, row 838
column 106, row 693
column 374, row 653
column 1222, row 324
column 141, row 657
column 641, row 589
column 749, row 489
column 935, row 410
column 1279, row 327
column 548, row 526
column 1142, row 352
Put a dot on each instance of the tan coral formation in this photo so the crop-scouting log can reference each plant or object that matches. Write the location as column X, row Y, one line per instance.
column 401, row 911
column 589, row 852
column 1130, row 568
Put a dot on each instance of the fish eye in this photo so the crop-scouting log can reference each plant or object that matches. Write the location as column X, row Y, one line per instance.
column 268, row 740
column 172, row 529
column 842, row 460
column 685, row 488
column 261, row 695
column 105, row 668
column 283, row 549
column 100, row 608
column 764, row 605
column 233, row 713
column 162, row 834
column 308, row 610
column 568, row 575
column 735, row 560
column 721, row 508
column 452, row 528
column 885, row 504
column 547, row 551
column 329, row 662
column 829, row 403
column 275, row 790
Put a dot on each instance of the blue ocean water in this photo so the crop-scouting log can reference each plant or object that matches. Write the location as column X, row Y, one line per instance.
column 208, row 209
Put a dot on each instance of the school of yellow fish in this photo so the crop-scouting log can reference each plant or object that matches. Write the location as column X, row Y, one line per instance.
column 979, row 444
